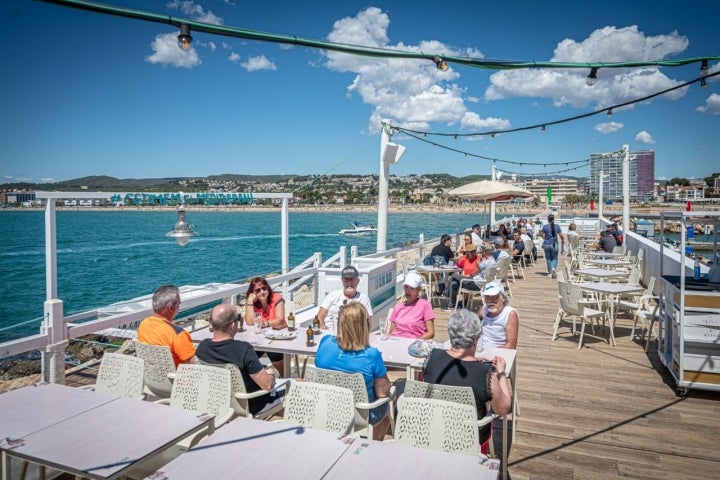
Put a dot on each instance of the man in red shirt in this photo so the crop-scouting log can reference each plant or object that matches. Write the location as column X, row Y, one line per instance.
column 159, row 328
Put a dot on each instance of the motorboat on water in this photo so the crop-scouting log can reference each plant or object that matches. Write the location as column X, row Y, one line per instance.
column 357, row 230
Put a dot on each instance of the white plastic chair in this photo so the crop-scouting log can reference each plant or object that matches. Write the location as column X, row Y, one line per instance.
column 573, row 304
column 320, row 406
column 438, row 425
column 158, row 364
column 449, row 393
column 240, row 397
column 201, row 388
column 503, row 269
column 641, row 305
column 356, row 383
column 527, row 253
column 469, row 294
column 121, row 375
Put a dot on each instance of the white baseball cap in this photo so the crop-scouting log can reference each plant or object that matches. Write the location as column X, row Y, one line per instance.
column 493, row 288
column 413, row 280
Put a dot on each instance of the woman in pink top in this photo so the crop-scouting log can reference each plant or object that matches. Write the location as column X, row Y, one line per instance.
column 413, row 317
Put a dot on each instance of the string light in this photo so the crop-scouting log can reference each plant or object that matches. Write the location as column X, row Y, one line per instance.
column 704, row 68
column 609, row 114
column 184, row 38
column 543, row 129
column 592, row 78
column 440, row 63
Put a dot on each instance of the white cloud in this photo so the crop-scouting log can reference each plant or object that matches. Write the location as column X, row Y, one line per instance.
column 644, row 137
column 195, row 11
column 609, row 44
column 608, row 127
column 472, row 121
column 167, row 52
column 712, row 105
column 47, row 180
column 254, row 64
column 411, row 93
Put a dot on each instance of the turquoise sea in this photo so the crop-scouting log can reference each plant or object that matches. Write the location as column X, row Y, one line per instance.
column 109, row 256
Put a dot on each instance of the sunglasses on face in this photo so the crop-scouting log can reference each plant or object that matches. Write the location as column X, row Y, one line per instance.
column 260, row 289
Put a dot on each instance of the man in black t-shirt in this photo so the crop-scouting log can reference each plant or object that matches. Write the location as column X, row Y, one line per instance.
column 223, row 348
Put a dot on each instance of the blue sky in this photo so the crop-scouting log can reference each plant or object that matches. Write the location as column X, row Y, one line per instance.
column 85, row 94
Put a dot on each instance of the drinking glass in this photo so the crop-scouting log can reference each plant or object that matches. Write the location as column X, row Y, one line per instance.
column 384, row 329
column 258, row 324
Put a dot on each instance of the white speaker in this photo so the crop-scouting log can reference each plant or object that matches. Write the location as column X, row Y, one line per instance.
column 392, row 153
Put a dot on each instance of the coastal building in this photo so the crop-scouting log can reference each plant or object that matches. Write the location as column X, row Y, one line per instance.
column 561, row 187
column 642, row 175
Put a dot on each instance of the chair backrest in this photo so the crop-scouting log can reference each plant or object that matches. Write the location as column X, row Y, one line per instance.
column 634, row 278
column 491, row 274
column 354, row 382
column 503, row 268
column 570, row 298
column 438, row 425
column 237, row 385
column 158, row 364
column 202, row 388
column 450, row 393
column 121, row 375
column 320, row 406
column 618, row 249
column 568, row 270
column 560, row 276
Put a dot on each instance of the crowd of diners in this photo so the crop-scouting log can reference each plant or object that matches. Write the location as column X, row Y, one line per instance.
column 346, row 314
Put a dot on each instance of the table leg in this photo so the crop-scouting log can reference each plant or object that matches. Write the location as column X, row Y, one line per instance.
column 611, row 320
column 504, row 448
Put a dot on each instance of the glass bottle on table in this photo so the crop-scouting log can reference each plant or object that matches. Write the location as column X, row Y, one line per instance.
column 310, row 334
column 316, row 326
column 291, row 322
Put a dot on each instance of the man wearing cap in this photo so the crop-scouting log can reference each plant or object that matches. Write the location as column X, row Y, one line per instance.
column 413, row 316
column 476, row 235
column 333, row 301
column 500, row 321
column 500, row 251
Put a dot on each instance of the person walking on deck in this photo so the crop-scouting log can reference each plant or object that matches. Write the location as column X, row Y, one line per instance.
column 551, row 237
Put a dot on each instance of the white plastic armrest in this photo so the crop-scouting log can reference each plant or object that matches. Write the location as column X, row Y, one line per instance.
column 371, row 405
column 486, row 419
column 246, row 396
column 172, row 376
column 163, row 401
column 87, row 387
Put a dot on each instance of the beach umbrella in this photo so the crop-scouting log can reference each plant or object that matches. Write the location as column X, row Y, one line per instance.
column 489, row 191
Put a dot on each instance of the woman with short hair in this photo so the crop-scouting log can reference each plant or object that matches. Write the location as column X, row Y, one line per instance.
column 458, row 366
column 350, row 352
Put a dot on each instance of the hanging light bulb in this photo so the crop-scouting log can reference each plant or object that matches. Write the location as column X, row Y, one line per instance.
column 440, row 63
column 183, row 230
column 609, row 113
column 704, row 68
column 592, row 77
column 184, row 38
column 542, row 130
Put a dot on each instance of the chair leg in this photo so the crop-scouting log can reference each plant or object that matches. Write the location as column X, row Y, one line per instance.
column 582, row 332
column 558, row 317
column 649, row 332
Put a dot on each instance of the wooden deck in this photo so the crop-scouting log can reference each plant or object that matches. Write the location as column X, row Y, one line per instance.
column 600, row 412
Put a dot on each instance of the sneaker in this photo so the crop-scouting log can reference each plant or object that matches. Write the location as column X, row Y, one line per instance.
column 447, row 308
column 554, row 274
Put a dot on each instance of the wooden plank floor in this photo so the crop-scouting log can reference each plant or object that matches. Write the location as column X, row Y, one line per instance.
column 600, row 412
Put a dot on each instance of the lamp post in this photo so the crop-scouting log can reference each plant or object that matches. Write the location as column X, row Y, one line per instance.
column 601, row 201
column 493, row 176
column 389, row 153
column 626, row 190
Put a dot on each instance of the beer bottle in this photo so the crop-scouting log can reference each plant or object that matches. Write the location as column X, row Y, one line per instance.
column 291, row 322
column 316, row 325
column 310, row 337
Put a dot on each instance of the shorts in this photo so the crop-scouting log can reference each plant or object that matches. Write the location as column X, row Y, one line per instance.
column 378, row 413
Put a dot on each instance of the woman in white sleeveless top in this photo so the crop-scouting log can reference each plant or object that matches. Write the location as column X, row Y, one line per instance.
column 500, row 321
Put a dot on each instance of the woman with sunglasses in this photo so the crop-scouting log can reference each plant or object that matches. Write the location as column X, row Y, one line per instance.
column 267, row 307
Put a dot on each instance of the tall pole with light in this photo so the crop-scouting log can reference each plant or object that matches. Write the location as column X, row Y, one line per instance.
column 389, row 153
column 183, row 230
column 494, row 175
column 626, row 190
column 600, row 194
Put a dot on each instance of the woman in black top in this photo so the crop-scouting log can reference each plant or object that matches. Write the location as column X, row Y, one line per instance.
column 460, row 367
column 443, row 249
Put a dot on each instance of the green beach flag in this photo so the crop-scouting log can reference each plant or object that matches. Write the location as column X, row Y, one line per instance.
column 549, row 195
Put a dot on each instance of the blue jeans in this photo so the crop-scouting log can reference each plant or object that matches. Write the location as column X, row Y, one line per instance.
column 551, row 256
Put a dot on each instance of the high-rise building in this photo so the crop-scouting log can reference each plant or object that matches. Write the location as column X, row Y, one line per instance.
column 642, row 175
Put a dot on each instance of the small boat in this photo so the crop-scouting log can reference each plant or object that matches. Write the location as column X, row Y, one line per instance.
column 357, row 230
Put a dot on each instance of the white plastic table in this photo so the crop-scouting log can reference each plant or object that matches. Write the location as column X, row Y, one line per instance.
column 611, row 291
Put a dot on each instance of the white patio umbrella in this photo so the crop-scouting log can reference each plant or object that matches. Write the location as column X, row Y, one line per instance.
column 490, row 191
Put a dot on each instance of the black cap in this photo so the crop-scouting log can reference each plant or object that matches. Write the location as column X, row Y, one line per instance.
column 350, row 272
column 475, row 226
